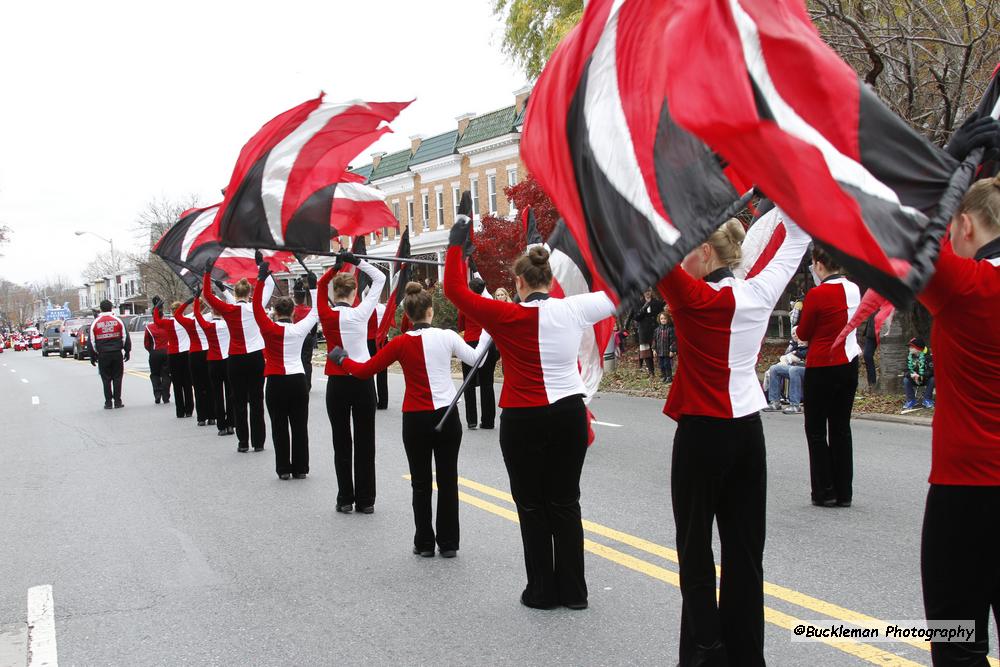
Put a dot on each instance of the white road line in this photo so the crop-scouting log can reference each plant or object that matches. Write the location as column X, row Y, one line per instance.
column 13, row 371
column 606, row 424
column 35, row 400
column 24, row 380
column 41, row 627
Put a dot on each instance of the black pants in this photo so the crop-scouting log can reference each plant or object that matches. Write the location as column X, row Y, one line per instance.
column 159, row 374
column 180, row 376
column 718, row 474
column 487, row 396
column 869, row 355
column 349, row 399
column 246, row 379
column 111, row 369
column 202, row 385
column 288, row 405
column 960, row 566
column 828, row 397
column 222, row 395
column 544, row 449
column 381, row 382
column 421, row 441
column 308, row 345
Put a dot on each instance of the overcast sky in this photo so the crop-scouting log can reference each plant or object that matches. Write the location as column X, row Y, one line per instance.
column 107, row 105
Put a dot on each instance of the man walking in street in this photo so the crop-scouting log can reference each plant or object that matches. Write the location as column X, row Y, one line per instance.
column 108, row 339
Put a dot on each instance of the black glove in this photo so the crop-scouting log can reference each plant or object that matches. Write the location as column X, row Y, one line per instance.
column 348, row 257
column 221, row 285
column 459, row 233
column 157, row 301
column 209, row 263
column 93, row 359
column 311, row 280
column 263, row 271
column 337, row 355
column 128, row 355
column 189, row 302
column 258, row 257
column 975, row 132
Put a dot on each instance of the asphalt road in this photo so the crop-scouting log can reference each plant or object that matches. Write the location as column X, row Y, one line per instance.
column 165, row 546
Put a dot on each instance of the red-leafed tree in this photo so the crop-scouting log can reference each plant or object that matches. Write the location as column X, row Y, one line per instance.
column 501, row 241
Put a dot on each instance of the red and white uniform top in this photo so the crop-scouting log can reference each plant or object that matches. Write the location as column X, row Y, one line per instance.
column 156, row 338
column 244, row 334
column 471, row 331
column 344, row 325
column 827, row 309
column 282, row 340
column 425, row 354
column 177, row 337
column 539, row 338
column 720, row 323
column 216, row 333
column 964, row 298
column 107, row 334
column 199, row 343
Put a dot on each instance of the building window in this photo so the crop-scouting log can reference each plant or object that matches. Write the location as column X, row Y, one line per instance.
column 512, row 177
column 474, row 189
column 456, row 195
column 426, row 206
column 491, row 191
column 409, row 216
column 439, row 200
column 395, row 210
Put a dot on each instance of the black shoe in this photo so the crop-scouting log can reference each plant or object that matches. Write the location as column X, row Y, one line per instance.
column 230, row 431
column 448, row 553
column 473, row 427
column 536, row 605
column 345, row 509
column 366, row 510
column 119, row 404
column 259, row 449
column 242, row 447
column 486, row 427
column 576, row 606
column 828, row 502
column 201, row 422
column 426, row 553
column 284, row 476
column 299, row 475
column 166, row 400
column 381, row 407
column 843, row 503
column 157, row 400
column 187, row 415
column 211, row 422
column 223, row 432
column 107, row 405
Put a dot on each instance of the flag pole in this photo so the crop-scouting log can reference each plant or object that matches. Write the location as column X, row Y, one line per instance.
column 465, row 383
column 377, row 258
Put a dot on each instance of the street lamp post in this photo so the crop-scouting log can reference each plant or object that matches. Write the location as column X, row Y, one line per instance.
column 114, row 266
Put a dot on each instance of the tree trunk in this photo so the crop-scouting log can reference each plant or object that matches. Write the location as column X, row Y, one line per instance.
column 892, row 355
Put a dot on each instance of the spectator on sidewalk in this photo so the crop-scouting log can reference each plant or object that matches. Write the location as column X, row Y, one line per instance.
column 665, row 346
column 919, row 372
column 791, row 367
column 645, row 318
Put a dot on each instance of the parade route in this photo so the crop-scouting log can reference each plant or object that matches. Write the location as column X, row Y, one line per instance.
column 162, row 545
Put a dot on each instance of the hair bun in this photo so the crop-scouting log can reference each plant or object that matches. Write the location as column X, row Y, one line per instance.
column 538, row 255
column 413, row 287
column 735, row 230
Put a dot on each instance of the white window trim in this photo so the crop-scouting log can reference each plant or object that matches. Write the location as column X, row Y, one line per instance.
column 491, row 172
column 425, row 208
column 491, row 192
column 474, row 190
column 409, row 214
column 456, row 195
column 439, row 207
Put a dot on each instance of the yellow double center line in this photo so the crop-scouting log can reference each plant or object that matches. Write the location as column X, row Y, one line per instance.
column 867, row 652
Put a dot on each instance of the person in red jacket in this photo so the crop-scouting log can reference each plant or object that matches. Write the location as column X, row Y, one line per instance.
column 718, row 469
column 217, row 334
column 350, row 399
column 425, row 353
column 959, row 562
column 178, row 344
column 472, row 332
column 198, row 365
column 831, row 381
column 246, row 359
column 301, row 311
column 108, row 341
column 287, row 393
column 155, row 342
column 543, row 427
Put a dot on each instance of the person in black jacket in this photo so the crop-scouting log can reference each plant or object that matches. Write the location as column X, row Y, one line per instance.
column 665, row 346
column 108, row 340
column 645, row 317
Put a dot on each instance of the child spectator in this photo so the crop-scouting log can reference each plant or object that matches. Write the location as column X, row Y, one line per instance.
column 919, row 372
column 665, row 346
column 621, row 335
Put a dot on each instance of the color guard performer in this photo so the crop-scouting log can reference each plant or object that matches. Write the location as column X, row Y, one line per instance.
column 217, row 334
column 178, row 344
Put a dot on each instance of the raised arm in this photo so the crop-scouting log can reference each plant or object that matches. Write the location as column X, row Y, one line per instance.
column 198, row 315
column 770, row 283
column 682, row 291
column 323, row 287
column 309, row 321
column 487, row 312
column 592, row 308
column 367, row 305
column 466, row 354
column 180, row 316
column 269, row 286
column 259, row 314
column 382, row 360
column 212, row 300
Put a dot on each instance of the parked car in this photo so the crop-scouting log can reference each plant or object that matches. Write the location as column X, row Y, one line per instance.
column 67, row 335
column 127, row 321
column 52, row 338
column 139, row 322
column 80, row 351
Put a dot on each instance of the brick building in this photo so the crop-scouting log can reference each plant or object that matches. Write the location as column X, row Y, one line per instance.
column 424, row 182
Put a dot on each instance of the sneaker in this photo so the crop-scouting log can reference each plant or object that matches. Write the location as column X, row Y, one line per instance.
column 345, row 509
column 909, row 405
column 928, row 403
column 795, row 409
column 773, row 406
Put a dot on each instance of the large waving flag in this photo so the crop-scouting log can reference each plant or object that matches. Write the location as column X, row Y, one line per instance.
column 187, row 249
column 291, row 188
column 397, row 291
column 753, row 79
column 636, row 190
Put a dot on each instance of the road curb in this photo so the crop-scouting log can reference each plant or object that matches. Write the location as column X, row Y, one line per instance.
column 894, row 419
